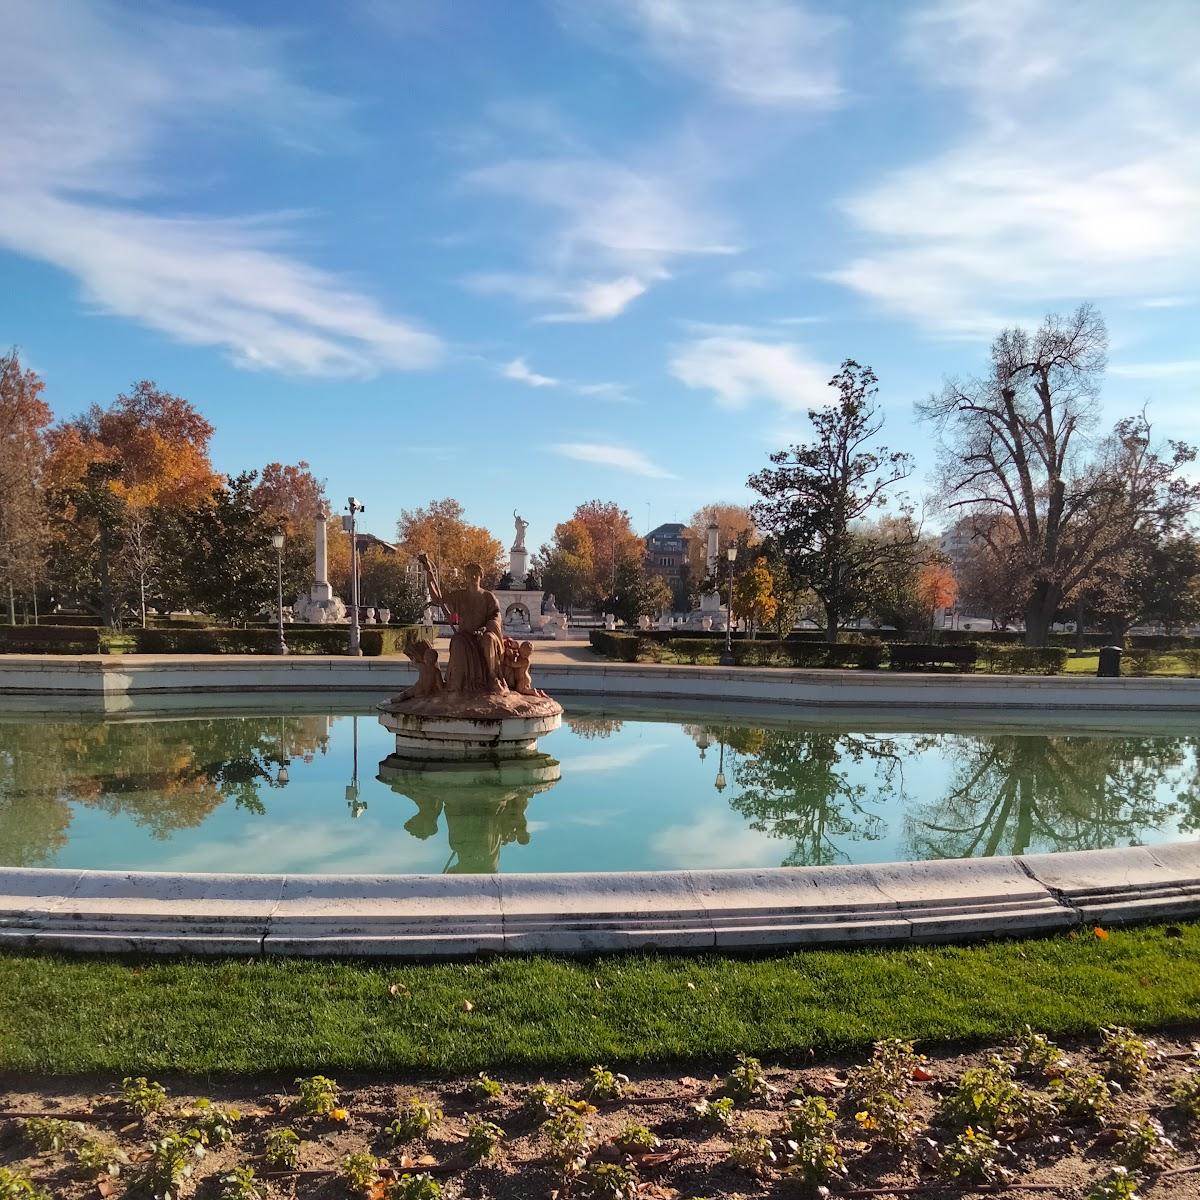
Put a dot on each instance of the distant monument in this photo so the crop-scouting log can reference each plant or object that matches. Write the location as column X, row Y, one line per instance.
column 518, row 556
column 319, row 606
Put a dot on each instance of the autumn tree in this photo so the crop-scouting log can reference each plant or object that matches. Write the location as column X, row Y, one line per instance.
column 1015, row 443
column 753, row 596
column 24, row 416
column 441, row 531
column 816, row 495
column 151, row 448
column 566, row 566
column 291, row 497
column 936, row 588
column 637, row 593
column 734, row 525
column 614, row 543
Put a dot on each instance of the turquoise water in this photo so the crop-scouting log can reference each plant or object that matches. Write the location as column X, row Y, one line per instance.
column 638, row 791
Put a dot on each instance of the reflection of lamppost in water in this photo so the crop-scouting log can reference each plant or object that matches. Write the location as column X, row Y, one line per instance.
column 703, row 741
column 719, row 782
column 281, row 776
column 357, row 807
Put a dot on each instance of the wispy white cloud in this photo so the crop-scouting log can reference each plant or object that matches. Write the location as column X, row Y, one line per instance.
column 1077, row 173
column 89, row 96
column 621, row 458
column 605, row 232
column 518, row 370
column 1156, row 370
column 739, row 369
column 1166, row 302
column 775, row 53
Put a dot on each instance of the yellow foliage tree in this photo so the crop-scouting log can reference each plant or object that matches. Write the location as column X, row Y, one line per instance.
column 441, row 531
column 753, row 598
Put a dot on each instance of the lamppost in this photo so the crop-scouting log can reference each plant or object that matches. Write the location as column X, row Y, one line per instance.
column 719, row 782
column 348, row 523
column 727, row 657
column 277, row 542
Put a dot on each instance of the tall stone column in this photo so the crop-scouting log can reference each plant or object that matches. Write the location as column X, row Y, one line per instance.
column 321, row 591
column 712, row 550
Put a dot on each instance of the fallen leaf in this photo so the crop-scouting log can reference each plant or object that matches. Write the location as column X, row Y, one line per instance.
column 339, row 1114
column 657, row 1191
column 691, row 986
column 106, row 1187
column 468, row 1006
column 922, row 1074
column 399, row 989
column 1102, row 934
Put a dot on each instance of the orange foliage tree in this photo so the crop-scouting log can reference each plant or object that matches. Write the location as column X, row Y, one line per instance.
column 735, row 527
column 119, row 471
column 441, row 531
column 936, row 588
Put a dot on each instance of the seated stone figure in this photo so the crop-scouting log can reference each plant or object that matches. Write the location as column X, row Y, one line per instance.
column 477, row 643
column 429, row 674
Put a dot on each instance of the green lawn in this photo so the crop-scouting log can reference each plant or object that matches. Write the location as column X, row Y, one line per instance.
column 68, row 1015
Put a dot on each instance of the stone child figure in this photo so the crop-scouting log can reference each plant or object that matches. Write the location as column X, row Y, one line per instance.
column 477, row 644
column 517, row 667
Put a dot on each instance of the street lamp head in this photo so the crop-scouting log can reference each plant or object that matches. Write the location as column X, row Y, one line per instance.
column 719, row 782
column 731, row 553
column 277, row 541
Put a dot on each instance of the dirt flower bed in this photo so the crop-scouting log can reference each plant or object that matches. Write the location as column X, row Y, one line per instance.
column 1105, row 1119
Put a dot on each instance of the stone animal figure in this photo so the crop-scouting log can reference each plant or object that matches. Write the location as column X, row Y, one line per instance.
column 429, row 675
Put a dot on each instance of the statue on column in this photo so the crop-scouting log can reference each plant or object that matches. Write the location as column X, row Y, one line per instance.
column 521, row 525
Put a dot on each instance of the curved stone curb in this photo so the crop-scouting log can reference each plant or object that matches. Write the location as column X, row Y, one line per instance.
column 425, row 916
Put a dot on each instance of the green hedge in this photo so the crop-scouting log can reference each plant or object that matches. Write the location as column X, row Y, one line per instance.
column 622, row 647
column 912, row 655
column 63, row 639
column 301, row 639
column 1147, row 662
column 1025, row 660
column 866, row 655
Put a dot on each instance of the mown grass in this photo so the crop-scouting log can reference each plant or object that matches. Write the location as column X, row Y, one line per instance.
column 63, row 1015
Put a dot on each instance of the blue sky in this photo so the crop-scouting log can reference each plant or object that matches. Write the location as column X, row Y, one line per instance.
column 538, row 252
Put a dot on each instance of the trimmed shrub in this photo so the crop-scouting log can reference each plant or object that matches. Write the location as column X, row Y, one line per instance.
column 913, row 656
column 621, row 647
column 863, row 654
column 51, row 639
column 692, row 650
column 1025, row 660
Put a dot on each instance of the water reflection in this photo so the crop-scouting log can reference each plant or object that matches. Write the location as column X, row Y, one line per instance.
column 484, row 806
column 164, row 775
column 1012, row 794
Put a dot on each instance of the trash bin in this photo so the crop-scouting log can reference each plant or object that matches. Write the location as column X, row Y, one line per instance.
column 1110, row 662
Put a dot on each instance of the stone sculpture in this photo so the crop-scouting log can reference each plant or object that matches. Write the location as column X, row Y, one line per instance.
column 521, row 525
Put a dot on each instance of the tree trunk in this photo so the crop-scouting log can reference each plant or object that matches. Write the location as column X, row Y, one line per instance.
column 831, row 624
column 1039, row 613
column 1079, row 636
column 12, row 605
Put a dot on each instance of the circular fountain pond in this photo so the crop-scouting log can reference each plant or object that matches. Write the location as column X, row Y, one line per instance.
column 309, row 789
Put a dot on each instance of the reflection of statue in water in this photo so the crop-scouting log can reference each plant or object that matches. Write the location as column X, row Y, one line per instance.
column 477, row 644
column 521, row 525
column 484, row 806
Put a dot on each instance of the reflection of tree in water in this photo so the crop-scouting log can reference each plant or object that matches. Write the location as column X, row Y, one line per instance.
column 1016, row 793
column 796, row 785
column 164, row 775
column 594, row 727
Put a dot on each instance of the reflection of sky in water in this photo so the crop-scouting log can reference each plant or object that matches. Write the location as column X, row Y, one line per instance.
column 641, row 798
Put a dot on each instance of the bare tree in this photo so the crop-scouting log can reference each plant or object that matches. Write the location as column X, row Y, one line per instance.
column 1016, row 444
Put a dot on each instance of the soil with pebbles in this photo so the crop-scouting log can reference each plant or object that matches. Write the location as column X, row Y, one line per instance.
column 1059, row 1159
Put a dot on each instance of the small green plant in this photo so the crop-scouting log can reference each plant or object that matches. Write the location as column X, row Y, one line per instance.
column 318, row 1095
column 170, row 1163
column 972, row 1158
column 603, row 1086
column 215, row 1124
column 716, row 1114
column 239, row 1184
column 545, row 1101
column 99, row 1158
column 1143, row 1141
column 987, row 1098
column 1120, row 1185
column 421, row 1186
column 1038, row 1055
column 485, row 1090
column 752, row 1152
column 49, row 1134
column 567, row 1141
column 1080, row 1096
column 1186, row 1096
column 606, row 1181
column 142, row 1097
column 359, row 1172
column 483, row 1141
column 812, row 1149
column 282, row 1149
column 18, row 1187
column 747, row 1081
column 635, row 1140
column 1127, row 1057
column 416, row 1118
